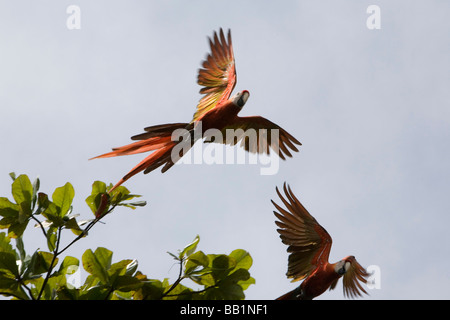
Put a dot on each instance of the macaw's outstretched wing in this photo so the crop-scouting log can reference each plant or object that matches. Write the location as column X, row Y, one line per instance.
column 259, row 135
column 217, row 75
column 308, row 242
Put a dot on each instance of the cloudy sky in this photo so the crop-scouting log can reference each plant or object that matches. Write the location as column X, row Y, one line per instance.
column 371, row 107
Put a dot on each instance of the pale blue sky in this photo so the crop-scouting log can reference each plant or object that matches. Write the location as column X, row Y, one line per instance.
column 371, row 107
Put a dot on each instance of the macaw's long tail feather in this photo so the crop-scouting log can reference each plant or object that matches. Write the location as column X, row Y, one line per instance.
column 154, row 138
column 137, row 147
column 158, row 139
column 150, row 163
column 161, row 130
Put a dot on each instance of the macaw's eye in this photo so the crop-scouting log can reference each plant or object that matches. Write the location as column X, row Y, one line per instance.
column 241, row 102
column 243, row 96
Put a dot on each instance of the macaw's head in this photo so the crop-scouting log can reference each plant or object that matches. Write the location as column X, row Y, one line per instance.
column 354, row 275
column 342, row 267
column 240, row 98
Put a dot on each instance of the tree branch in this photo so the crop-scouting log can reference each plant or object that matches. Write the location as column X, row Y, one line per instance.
column 180, row 278
column 40, row 224
column 52, row 264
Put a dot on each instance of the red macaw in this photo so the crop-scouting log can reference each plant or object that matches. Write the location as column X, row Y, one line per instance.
column 309, row 246
column 216, row 110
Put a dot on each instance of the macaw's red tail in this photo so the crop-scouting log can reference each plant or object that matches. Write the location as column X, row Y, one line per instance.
column 156, row 138
column 137, row 147
column 150, row 163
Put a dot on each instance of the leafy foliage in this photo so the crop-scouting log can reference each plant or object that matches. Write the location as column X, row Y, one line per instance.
column 38, row 276
column 222, row 276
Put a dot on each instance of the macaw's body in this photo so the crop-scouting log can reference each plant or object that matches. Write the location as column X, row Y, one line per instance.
column 324, row 277
column 216, row 110
column 309, row 246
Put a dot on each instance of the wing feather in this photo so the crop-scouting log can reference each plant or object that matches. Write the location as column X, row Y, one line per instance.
column 308, row 242
column 258, row 135
column 218, row 74
column 353, row 278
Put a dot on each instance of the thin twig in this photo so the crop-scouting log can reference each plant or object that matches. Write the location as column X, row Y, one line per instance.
column 56, row 253
column 40, row 224
column 52, row 264
column 180, row 278
column 193, row 292
column 85, row 231
column 28, row 289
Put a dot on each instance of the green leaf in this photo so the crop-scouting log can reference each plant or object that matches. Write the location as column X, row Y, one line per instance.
column 120, row 191
column 16, row 229
column 94, row 199
column 52, row 213
column 121, row 194
column 20, row 246
column 104, row 256
column 150, row 290
column 8, row 265
column 24, row 212
column 127, row 283
column 242, row 259
column 36, row 186
column 68, row 293
column 124, row 267
column 246, row 283
column 46, row 259
column 205, row 279
column 194, row 262
column 69, row 265
column 63, row 197
column 133, row 205
column 12, row 288
column 40, row 263
column 22, row 190
column 221, row 265
column 22, row 255
column 121, row 268
column 237, row 276
column 137, row 204
column 72, row 224
column 174, row 256
column 5, row 245
column 231, row 291
column 97, row 263
column 8, row 209
column 12, row 175
column 131, row 267
column 98, row 187
column 10, row 212
column 116, row 198
column 66, row 290
column 95, row 293
column 43, row 202
column 51, row 238
column 190, row 248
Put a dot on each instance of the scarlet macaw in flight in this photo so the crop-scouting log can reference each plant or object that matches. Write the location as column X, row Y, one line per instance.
column 309, row 246
column 216, row 110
